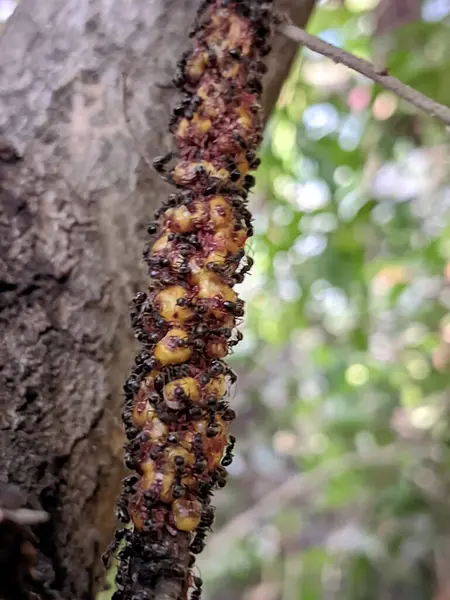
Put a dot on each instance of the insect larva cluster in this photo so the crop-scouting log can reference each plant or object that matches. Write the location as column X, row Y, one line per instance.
column 176, row 414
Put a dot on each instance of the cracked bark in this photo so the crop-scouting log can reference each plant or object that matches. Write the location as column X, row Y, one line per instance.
column 75, row 197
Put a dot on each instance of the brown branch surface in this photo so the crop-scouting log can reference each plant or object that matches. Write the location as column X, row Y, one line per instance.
column 420, row 101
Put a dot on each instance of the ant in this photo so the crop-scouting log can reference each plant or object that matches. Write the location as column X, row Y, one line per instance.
column 198, row 544
column 228, row 458
column 180, row 77
column 160, row 163
column 122, row 513
column 232, row 375
column 207, row 518
column 220, row 477
column 197, row 592
column 120, row 535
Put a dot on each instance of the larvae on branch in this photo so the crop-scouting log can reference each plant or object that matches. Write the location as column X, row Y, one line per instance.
column 176, row 417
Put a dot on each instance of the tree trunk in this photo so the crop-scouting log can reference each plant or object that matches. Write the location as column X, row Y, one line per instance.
column 76, row 193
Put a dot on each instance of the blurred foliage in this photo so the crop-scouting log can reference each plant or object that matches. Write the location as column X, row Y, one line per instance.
column 341, row 481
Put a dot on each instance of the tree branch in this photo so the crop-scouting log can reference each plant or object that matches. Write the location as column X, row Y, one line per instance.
column 420, row 101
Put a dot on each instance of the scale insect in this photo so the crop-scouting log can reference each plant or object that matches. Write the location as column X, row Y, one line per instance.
column 176, row 417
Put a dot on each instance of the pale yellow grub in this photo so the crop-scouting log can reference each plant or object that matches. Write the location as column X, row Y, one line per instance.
column 245, row 119
column 210, row 286
column 140, row 413
column 243, row 167
column 201, row 125
column 196, row 65
column 221, row 213
column 231, row 72
column 186, row 514
column 181, row 219
column 183, row 128
column 223, row 240
column 169, row 352
column 189, row 385
column 217, row 256
column 156, row 429
column 166, row 304
column 217, row 349
column 148, row 467
column 161, row 243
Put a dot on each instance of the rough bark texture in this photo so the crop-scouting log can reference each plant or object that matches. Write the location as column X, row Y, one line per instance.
column 73, row 211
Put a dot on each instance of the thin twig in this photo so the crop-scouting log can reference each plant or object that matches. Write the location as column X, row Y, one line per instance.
column 427, row 105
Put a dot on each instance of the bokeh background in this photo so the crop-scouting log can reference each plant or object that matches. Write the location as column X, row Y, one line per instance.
column 340, row 487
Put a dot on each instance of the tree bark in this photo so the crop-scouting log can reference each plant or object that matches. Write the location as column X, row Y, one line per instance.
column 76, row 193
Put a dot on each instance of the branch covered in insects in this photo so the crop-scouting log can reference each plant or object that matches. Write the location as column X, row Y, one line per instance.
column 177, row 412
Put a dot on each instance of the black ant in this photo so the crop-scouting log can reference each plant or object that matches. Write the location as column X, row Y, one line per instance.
column 178, row 490
column 228, row 458
column 160, row 163
column 180, row 78
column 220, row 476
column 131, row 385
column 207, row 518
column 249, row 181
column 120, row 535
column 246, row 268
column 197, row 592
column 235, row 53
column 122, row 513
column 198, row 544
column 130, row 482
